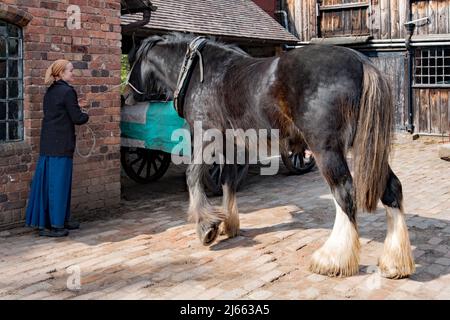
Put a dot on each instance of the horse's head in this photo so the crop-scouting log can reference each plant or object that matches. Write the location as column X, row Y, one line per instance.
column 146, row 78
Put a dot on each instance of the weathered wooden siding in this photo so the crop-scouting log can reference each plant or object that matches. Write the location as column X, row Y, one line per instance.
column 383, row 19
column 392, row 64
column 343, row 22
column 432, row 110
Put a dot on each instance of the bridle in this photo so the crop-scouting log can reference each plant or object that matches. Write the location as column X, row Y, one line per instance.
column 127, row 80
column 128, row 83
column 193, row 51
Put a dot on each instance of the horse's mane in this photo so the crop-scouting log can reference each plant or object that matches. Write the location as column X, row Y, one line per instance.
column 182, row 40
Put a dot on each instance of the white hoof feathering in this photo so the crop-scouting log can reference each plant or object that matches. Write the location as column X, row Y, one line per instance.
column 397, row 260
column 339, row 256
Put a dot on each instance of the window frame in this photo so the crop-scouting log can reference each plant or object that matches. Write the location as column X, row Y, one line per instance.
column 19, row 78
column 419, row 56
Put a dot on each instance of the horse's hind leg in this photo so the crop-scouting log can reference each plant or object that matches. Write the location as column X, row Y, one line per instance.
column 339, row 256
column 397, row 259
column 201, row 212
column 229, row 186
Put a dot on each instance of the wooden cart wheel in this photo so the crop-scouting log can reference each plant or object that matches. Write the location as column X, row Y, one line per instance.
column 144, row 165
column 298, row 162
column 212, row 180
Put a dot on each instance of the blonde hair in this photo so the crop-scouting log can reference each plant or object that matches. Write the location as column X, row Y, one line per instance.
column 55, row 70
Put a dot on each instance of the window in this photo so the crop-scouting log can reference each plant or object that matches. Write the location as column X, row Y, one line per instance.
column 432, row 67
column 11, row 96
column 342, row 18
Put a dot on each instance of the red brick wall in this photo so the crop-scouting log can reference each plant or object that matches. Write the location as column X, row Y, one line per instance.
column 95, row 52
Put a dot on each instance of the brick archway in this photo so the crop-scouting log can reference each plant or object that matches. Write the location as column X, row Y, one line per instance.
column 14, row 15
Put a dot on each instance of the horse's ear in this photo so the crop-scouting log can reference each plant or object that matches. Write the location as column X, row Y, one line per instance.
column 132, row 52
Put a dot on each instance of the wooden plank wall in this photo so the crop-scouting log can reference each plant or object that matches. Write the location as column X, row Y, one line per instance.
column 386, row 18
column 344, row 22
column 432, row 110
column 392, row 64
column 438, row 11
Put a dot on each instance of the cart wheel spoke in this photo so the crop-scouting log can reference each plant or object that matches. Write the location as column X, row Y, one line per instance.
column 300, row 160
column 153, row 163
column 144, row 161
column 148, row 170
column 135, row 161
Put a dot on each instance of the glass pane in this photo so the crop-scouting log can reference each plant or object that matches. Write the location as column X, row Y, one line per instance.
column 447, row 52
column 13, row 47
column 2, row 110
column 13, row 89
column 14, row 112
column 15, row 130
column 2, row 89
column 3, row 29
column 2, row 131
column 447, row 79
column 13, row 68
column 2, row 47
column 13, row 31
column 447, row 71
column 432, row 71
column 2, row 68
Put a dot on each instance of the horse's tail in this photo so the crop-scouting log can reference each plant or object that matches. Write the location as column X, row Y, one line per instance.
column 372, row 143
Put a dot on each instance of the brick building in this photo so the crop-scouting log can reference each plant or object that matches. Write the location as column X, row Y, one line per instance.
column 33, row 34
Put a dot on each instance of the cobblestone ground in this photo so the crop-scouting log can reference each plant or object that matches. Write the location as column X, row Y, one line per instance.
column 147, row 249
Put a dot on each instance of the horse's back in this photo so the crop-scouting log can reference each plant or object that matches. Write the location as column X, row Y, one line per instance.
column 324, row 85
column 322, row 63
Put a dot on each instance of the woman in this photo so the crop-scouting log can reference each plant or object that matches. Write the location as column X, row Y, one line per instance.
column 49, row 202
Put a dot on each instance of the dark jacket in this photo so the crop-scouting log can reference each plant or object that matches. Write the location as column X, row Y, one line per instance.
column 61, row 113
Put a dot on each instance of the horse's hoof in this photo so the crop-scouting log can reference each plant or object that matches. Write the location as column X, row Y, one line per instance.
column 208, row 233
column 335, row 261
column 399, row 268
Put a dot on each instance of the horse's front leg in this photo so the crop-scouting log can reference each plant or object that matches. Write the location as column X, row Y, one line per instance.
column 206, row 217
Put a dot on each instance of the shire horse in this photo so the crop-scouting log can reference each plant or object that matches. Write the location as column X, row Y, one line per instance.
column 333, row 96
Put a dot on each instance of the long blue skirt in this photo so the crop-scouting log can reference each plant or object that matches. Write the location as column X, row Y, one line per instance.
column 49, row 201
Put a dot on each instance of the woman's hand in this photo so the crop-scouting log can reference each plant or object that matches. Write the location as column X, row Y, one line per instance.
column 83, row 103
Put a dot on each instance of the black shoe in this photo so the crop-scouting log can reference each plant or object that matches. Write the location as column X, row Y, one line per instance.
column 72, row 225
column 54, row 232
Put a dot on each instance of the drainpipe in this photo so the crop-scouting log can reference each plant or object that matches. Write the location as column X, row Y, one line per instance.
column 285, row 24
column 410, row 26
column 285, row 18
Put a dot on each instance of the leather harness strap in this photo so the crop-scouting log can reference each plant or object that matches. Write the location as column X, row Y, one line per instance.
column 193, row 51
